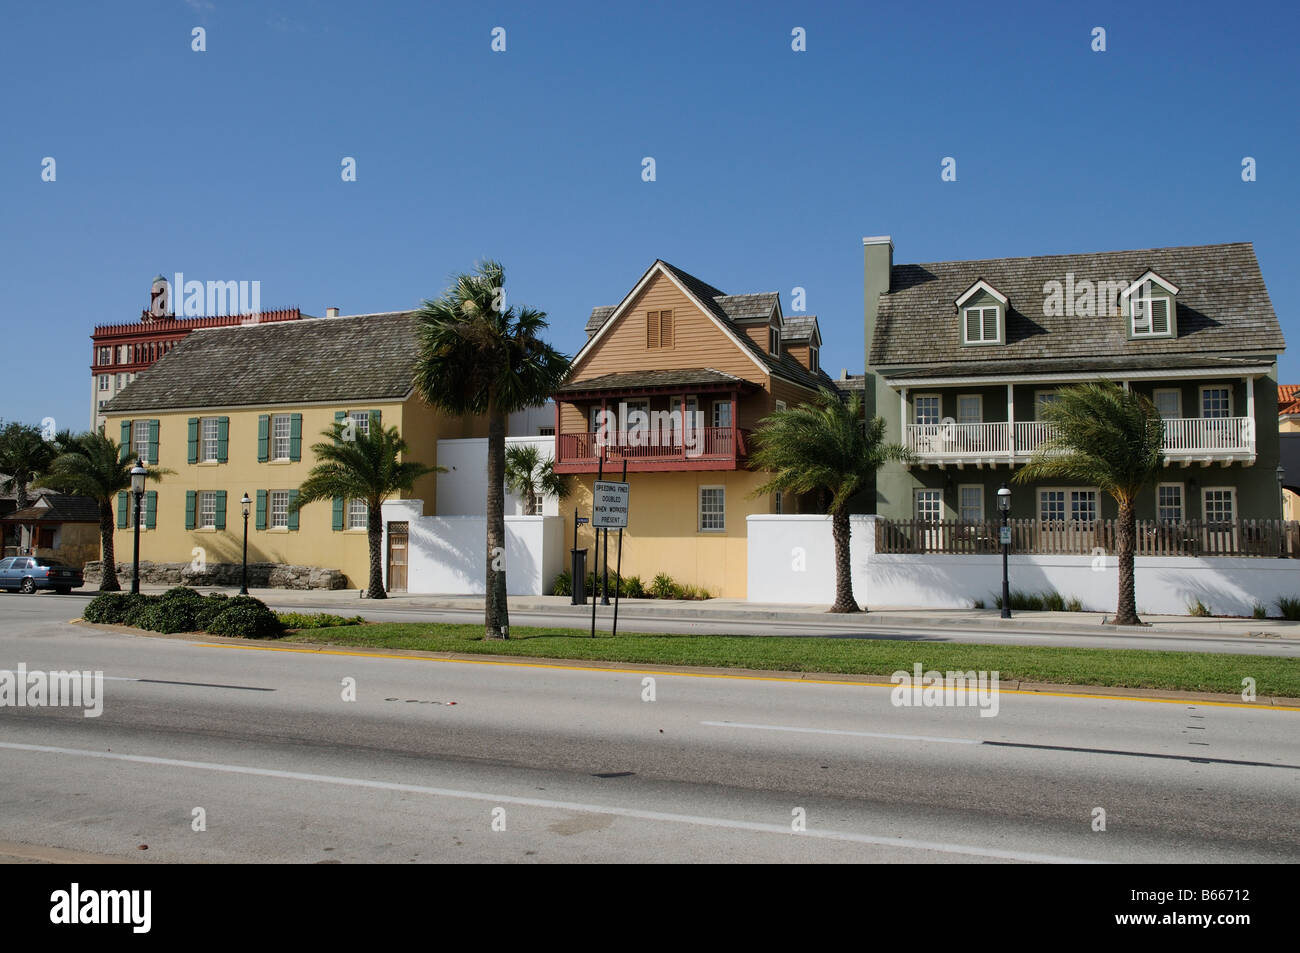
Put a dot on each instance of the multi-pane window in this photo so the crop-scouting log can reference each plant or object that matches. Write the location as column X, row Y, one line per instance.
column 1219, row 504
column 279, row 500
column 357, row 514
column 970, row 409
column 360, row 422
column 1041, row 400
column 970, row 503
column 103, row 381
column 533, row 507
column 812, row 358
column 105, row 356
column 1083, row 506
column 722, row 413
column 121, row 381
column 1169, row 403
column 713, row 514
column 208, row 440
column 927, row 408
column 1051, row 506
column 1058, row 505
column 1216, row 402
column 774, row 341
column 1169, row 502
column 140, row 439
column 981, row 325
column 658, row 329
column 280, row 437
column 123, row 354
column 929, row 505
column 207, row 509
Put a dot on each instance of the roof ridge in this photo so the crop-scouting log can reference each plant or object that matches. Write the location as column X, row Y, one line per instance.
column 1087, row 254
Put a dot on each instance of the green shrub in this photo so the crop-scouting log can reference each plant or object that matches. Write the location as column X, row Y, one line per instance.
column 110, row 608
column 663, row 587
column 1074, row 604
column 1259, row 611
column 1198, row 608
column 563, row 585
column 1049, row 600
column 315, row 620
column 631, row 587
column 977, row 604
column 247, row 618
column 208, row 610
column 1289, row 608
column 691, row 591
column 1052, row 601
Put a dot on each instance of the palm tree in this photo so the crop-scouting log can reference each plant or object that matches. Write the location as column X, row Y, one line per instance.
column 93, row 465
column 1112, row 439
column 23, row 454
column 366, row 465
column 478, row 357
column 529, row 476
column 828, row 448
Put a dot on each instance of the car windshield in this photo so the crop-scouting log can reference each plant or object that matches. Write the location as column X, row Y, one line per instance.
column 49, row 563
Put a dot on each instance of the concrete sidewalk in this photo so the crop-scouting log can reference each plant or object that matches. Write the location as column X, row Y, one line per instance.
column 348, row 601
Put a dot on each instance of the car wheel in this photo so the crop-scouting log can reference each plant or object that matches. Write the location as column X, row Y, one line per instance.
column 29, row 586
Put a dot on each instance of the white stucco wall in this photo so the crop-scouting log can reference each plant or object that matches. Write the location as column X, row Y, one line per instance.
column 447, row 554
column 461, row 490
column 791, row 559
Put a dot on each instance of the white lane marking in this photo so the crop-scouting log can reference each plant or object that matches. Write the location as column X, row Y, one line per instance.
column 837, row 731
column 697, row 820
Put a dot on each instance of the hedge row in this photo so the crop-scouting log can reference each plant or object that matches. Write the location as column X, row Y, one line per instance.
column 184, row 610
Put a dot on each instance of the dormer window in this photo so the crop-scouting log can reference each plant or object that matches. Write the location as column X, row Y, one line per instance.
column 983, row 312
column 1150, row 307
column 774, row 341
column 812, row 358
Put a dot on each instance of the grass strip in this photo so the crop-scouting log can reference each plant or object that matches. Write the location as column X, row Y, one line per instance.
column 1118, row 668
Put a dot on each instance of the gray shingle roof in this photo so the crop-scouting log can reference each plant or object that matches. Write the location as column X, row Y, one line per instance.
column 748, row 307
column 799, row 327
column 62, row 508
column 1222, row 308
column 623, row 380
column 370, row 356
column 1095, row 365
column 598, row 317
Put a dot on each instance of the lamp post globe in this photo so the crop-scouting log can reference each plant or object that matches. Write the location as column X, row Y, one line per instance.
column 1004, row 508
column 138, row 475
column 243, row 588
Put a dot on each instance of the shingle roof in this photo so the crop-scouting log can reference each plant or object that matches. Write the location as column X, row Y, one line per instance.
column 598, row 317
column 1222, row 308
column 369, row 356
column 851, row 383
column 1095, row 365
column 623, row 380
column 62, row 508
column 748, row 307
column 799, row 327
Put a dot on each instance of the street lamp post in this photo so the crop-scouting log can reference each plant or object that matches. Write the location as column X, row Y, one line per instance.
column 243, row 588
column 138, row 474
column 1004, row 507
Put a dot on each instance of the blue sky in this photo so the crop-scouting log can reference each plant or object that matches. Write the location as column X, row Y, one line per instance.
column 771, row 165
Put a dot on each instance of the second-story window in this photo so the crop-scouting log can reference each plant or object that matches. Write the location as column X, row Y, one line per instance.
column 927, row 408
column 105, row 355
column 774, row 341
column 103, row 381
column 361, row 422
column 1150, row 316
column 980, row 326
column 208, row 451
column 659, row 329
column 812, row 359
column 1216, row 402
column 140, row 432
column 280, row 437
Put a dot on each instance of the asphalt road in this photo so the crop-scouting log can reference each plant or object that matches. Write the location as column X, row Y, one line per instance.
column 575, row 766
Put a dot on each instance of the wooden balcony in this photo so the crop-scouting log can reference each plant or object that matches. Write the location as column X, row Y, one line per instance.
column 1188, row 440
column 708, row 448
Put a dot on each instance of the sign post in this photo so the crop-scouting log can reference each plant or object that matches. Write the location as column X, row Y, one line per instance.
column 608, row 510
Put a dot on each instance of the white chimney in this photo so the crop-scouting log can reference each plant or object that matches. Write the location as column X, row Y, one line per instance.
column 331, row 312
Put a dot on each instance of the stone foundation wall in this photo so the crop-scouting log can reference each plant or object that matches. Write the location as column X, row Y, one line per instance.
column 260, row 575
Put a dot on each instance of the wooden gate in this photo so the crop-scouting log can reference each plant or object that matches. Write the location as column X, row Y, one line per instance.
column 398, row 545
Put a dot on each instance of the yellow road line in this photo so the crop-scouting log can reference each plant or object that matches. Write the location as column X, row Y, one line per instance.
column 750, row 678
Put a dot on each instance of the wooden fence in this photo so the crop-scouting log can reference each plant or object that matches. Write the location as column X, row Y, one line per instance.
column 1261, row 538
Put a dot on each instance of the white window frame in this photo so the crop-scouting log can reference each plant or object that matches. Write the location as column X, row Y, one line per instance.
column 1201, row 399
column 721, row 514
column 357, row 510
column 982, row 339
column 1069, row 502
column 360, row 421
column 1051, row 393
column 1148, row 323
column 204, row 439
column 276, row 438
column 140, row 439
column 104, row 381
column 1182, row 503
column 1178, row 400
column 979, row 417
column 916, row 408
column 105, row 356
column 812, row 358
column 205, row 510
column 1232, row 496
column 932, row 495
column 961, row 507
column 277, row 509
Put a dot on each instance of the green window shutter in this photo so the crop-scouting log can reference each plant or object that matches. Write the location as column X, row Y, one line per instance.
column 153, row 441
column 223, row 439
column 293, row 514
column 192, row 429
column 263, row 437
column 338, row 513
column 123, row 509
column 295, row 437
column 151, row 510
column 190, row 505
column 125, row 453
column 221, row 509
column 376, row 420
column 261, row 509
column 340, row 416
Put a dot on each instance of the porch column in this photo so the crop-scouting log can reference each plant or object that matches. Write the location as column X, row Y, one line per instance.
column 556, row 454
column 600, row 451
column 682, row 433
column 1250, row 411
column 902, row 416
column 1011, row 423
column 734, row 445
column 1124, row 384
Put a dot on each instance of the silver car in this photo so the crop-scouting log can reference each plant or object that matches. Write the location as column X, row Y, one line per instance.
column 29, row 573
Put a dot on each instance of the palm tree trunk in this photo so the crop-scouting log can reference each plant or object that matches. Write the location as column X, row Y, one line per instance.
column 108, row 577
column 1126, row 611
column 20, row 490
column 840, row 531
column 496, row 615
column 375, row 537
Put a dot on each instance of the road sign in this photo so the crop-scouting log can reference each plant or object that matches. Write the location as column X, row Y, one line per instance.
column 609, row 505
column 1004, row 535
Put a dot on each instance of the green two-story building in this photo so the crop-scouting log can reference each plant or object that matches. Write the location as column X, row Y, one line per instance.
column 961, row 357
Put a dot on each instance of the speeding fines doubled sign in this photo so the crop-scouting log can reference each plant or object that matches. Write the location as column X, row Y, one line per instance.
column 609, row 507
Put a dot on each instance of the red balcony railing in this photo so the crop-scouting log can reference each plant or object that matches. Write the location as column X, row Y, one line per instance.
column 664, row 450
